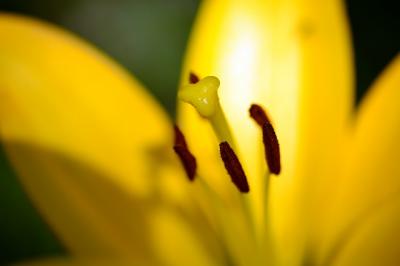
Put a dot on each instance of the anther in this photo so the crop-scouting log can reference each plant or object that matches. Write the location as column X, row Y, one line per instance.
column 259, row 115
column 179, row 137
column 186, row 157
column 233, row 167
column 193, row 78
column 271, row 148
column 271, row 144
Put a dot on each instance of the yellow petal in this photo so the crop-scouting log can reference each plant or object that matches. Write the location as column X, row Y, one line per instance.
column 59, row 94
column 89, row 212
column 376, row 241
column 93, row 216
column 100, row 261
column 294, row 58
column 371, row 170
column 178, row 244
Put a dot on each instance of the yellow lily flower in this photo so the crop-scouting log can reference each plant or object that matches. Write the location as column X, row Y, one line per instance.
column 95, row 152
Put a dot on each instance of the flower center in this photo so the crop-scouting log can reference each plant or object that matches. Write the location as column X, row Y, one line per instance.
column 202, row 94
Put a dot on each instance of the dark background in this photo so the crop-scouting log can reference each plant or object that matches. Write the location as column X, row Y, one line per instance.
column 149, row 38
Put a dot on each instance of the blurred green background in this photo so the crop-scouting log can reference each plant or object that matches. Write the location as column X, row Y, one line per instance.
column 149, row 38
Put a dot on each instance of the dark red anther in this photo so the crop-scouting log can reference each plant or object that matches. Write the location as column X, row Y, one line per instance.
column 193, row 78
column 233, row 166
column 179, row 137
column 271, row 144
column 259, row 115
column 187, row 159
column 271, row 148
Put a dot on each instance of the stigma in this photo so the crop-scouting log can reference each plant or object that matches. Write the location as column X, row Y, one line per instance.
column 202, row 94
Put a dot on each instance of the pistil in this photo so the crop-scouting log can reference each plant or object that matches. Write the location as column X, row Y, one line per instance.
column 202, row 94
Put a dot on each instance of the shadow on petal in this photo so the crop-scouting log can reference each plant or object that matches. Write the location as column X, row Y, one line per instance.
column 95, row 217
column 89, row 213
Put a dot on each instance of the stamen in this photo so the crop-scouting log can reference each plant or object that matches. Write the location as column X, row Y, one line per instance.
column 271, row 149
column 187, row 159
column 193, row 78
column 233, row 166
column 271, row 144
column 259, row 115
column 179, row 137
